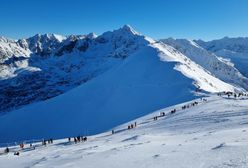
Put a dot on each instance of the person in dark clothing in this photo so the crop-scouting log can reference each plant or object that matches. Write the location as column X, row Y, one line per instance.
column 69, row 139
column 17, row 153
column 6, row 150
column 22, row 145
column 173, row 111
column 113, row 131
column 85, row 139
column 78, row 138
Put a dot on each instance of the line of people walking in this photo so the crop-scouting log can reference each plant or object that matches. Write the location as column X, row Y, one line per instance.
column 232, row 94
column 78, row 139
column 133, row 125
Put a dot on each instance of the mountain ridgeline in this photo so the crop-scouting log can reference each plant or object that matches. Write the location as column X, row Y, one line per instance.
column 98, row 82
column 45, row 66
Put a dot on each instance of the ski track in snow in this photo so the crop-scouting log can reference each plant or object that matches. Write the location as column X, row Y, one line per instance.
column 212, row 134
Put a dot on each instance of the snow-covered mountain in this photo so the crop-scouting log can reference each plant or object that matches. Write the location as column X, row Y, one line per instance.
column 117, row 76
column 44, row 66
column 233, row 49
column 218, row 67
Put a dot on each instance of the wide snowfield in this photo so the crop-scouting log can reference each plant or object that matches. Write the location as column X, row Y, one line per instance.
column 213, row 134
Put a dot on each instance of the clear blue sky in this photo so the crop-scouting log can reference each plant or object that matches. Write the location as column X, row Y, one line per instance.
column 193, row 19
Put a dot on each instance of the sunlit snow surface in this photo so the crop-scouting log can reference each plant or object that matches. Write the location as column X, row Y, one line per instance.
column 213, row 134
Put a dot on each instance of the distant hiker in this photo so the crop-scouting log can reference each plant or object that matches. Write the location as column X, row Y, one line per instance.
column 21, row 145
column 69, row 139
column 173, row 111
column 135, row 124
column 44, row 142
column 85, row 139
column 31, row 146
column 75, row 139
column 128, row 127
column 6, row 150
column 78, row 138
column 17, row 153
column 113, row 131
column 50, row 141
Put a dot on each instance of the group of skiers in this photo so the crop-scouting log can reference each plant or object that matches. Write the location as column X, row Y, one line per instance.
column 78, row 139
column 235, row 95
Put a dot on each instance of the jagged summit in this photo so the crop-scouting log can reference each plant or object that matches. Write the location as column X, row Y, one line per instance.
column 119, row 72
column 128, row 28
column 50, row 36
column 59, row 63
column 126, row 31
column 91, row 35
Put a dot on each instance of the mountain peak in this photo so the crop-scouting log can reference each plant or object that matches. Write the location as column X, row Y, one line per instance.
column 49, row 36
column 128, row 28
column 91, row 35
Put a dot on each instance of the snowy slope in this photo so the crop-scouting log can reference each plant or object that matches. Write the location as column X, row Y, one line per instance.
column 203, row 79
column 45, row 66
column 133, row 75
column 212, row 134
column 218, row 67
column 141, row 84
column 234, row 49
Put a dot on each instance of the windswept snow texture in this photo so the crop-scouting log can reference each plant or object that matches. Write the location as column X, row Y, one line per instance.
column 233, row 49
column 218, row 67
column 141, row 84
column 120, row 75
column 213, row 134
column 202, row 78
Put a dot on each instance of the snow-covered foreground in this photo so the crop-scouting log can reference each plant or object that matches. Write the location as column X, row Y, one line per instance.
column 210, row 135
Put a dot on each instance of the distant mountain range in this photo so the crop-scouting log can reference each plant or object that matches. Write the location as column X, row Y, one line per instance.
column 101, row 81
